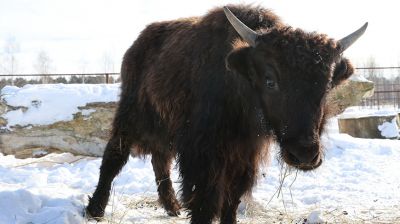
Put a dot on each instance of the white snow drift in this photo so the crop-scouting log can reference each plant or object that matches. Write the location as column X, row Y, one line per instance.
column 50, row 103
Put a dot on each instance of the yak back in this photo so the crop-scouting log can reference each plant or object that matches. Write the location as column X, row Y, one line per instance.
column 175, row 72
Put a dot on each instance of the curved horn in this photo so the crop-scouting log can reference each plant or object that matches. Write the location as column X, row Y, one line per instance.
column 245, row 32
column 346, row 42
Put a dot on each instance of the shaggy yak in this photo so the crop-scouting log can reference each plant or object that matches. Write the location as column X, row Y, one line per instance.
column 211, row 92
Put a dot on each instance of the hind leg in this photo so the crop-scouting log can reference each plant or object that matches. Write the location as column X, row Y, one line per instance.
column 114, row 158
column 161, row 165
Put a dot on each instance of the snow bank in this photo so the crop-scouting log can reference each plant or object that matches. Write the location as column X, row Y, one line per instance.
column 358, row 112
column 22, row 206
column 50, row 103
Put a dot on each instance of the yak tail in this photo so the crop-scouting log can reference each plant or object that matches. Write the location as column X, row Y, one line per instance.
column 131, row 68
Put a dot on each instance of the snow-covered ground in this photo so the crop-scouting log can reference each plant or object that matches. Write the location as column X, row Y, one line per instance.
column 359, row 182
column 50, row 103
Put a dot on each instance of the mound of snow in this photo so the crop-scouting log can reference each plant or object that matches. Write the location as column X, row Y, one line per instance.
column 50, row 103
column 389, row 129
column 315, row 217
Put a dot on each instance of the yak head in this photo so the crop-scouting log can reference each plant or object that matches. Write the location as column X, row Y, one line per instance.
column 292, row 72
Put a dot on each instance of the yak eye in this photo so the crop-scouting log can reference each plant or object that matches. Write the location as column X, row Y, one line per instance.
column 270, row 77
column 269, row 83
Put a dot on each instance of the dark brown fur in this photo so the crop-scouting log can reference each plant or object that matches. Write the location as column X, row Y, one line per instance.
column 191, row 89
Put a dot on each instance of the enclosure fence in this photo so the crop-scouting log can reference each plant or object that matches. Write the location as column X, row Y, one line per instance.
column 23, row 79
column 386, row 81
column 386, row 86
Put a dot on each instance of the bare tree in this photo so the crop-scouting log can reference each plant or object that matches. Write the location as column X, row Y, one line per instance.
column 10, row 63
column 2, row 67
column 43, row 65
column 107, row 62
column 398, row 69
column 370, row 74
column 83, row 63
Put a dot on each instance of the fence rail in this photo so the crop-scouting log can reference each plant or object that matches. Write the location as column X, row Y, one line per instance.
column 387, row 92
column 106, row 75
column 384, row 95
column 60, row 74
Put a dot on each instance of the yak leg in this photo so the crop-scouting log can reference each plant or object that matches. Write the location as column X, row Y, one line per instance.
column 240, row 185
column 161, row 165
column 202, row 189
column 204, row 204
column 114, row 158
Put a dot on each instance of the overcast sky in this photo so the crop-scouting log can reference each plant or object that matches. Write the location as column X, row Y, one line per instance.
column 78, row 34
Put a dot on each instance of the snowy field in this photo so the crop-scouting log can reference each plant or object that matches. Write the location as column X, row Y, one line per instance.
column 359, row 181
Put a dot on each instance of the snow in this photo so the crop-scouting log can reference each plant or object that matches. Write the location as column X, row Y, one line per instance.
column 359, row 177
column 389, row 129
column 358, row 112
column 50, row 103
column 359, row 78
column 315, row 217
column 358, row 181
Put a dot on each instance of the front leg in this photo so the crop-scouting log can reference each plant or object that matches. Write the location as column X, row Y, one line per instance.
column 202, row 188
column 240, row 184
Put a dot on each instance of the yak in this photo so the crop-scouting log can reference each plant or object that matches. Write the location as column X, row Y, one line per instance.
column 213, row 92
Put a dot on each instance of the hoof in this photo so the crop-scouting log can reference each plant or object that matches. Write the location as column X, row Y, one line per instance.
column 94, row 214
column 173, row 213
column 94, row 211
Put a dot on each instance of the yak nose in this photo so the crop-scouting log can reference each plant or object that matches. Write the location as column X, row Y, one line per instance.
column 307, row 151
column 305, row 156
column 307, row 142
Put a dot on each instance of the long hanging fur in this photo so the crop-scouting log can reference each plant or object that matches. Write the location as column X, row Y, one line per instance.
column 179, row 100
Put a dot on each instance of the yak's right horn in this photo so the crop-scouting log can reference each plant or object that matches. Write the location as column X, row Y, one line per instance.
column 245, row 32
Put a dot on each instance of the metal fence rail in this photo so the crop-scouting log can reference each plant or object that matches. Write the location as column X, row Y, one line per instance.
column 387, row 92
column 384, row 95
column 106, row 75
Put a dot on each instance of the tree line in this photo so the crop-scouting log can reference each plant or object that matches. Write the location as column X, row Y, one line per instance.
column 43, row 64
column 20, row 81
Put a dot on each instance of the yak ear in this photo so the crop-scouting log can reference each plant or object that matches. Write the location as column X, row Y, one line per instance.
column 239, row 61
column 343, row 70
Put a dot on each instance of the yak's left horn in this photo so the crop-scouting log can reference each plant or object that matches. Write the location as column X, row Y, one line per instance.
column 245, row 32
column 346, row 42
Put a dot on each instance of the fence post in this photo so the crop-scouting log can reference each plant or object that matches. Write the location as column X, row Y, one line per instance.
column 107, row 78
column 378, row 96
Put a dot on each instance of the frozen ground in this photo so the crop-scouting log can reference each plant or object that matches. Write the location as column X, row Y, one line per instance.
column 359, row 181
